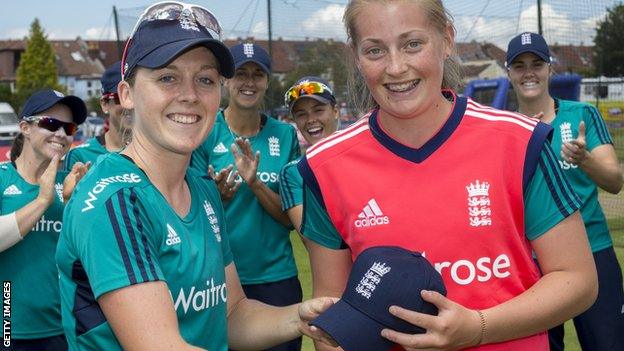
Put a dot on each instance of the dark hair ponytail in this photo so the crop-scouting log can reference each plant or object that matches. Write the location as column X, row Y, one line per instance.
column 16, row 147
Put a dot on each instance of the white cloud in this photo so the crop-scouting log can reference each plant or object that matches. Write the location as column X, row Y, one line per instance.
column 99, row 33
column 260, row 30
column 61, row 33
column 558, row 27
column 14, row 33
column 326, row 23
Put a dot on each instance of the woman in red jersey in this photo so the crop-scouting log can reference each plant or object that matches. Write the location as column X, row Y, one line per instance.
column 475, row 189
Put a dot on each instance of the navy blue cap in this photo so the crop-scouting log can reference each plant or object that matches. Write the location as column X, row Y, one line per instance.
column 527, row 42
column 249, row 52
column 44, row 99
column 326, row 97
column 110, row 78
column 381, row 276
column 158, row 42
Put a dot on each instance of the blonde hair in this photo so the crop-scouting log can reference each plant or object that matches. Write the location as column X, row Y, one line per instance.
column 438, row 17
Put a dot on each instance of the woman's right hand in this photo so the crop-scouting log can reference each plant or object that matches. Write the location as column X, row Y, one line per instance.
column 47, row 182
column 455, row 327
column 226, row 181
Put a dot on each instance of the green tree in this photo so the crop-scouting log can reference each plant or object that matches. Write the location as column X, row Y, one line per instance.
column 93, row 105
column 609, row 51
column 7, row 96
column 37, row 67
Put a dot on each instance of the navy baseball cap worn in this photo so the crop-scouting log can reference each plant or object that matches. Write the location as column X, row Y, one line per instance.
column 381, row 276
column 111, row 78
column 527, row 42
column 158, row 42
column 325, row 97
column 44, row 99
column 249, row 52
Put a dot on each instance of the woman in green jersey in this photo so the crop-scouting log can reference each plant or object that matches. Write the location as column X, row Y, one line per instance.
column 313, row 107
column 588, row 159
column 31, row 208
column 248, row 149
column 144, row 258
column 119, row 123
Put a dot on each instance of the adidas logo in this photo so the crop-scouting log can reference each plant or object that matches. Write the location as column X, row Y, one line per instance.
column 220, row 149
column 172, row 236
column 371, row 216
column 12, row 190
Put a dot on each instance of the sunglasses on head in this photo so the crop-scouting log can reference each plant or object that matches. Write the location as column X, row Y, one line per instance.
column 305, row 88
column 52, row 124
column 188, row 14
column 111, row 97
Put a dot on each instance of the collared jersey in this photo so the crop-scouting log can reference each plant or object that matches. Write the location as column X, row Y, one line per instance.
column 120, row 231
column 566, row 126
column 29, row 265
column 291, row 186
column 459, row 199
column 260, row 244
column 88, row 151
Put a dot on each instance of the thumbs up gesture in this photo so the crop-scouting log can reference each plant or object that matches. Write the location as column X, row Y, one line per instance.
column 575, row 151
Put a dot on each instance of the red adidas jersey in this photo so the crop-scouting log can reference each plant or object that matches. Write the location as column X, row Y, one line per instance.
column 458, row 199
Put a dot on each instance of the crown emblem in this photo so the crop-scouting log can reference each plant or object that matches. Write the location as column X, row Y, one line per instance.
column 380, row 268
column 248, row 50
column 526, row 39
column 478, row 189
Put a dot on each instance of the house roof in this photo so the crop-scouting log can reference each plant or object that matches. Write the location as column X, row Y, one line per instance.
column 89, row 58
column 73, row 59
column 473, row 70
column 571, row 58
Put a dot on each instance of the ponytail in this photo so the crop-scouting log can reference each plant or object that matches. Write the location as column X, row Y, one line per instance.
column 16, row 147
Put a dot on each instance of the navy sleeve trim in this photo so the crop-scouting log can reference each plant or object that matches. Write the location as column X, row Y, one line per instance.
column 601, row 127
column 148, row 256
column 120, row 241
column 86, row 310
column 310, row 180
column 541, row 132
column 555, row 180
column 130, row 228
column 343, row 244
column 286, row 189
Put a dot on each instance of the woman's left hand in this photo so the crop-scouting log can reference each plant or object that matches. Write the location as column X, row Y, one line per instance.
column 310, row 309
column 454, row 327
column 575, row 151
column 246, row 161
column 78, row 171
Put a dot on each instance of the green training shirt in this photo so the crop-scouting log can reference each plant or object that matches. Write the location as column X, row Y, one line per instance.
column 260, row 244
column 291, row 186
column 29, row 265
column 90, row 150
column 566, row 126
column 121, row 231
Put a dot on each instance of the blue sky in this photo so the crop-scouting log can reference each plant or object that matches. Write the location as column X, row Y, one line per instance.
column 565, row 21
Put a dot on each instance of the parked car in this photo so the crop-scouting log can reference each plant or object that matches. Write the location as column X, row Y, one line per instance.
column 9, row 124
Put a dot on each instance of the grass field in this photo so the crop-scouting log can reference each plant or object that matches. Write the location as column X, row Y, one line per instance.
column 301, row 256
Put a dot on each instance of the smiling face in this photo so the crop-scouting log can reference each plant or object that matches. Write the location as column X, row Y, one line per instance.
column 315, row 120
column 248, row 86
column 402, row 64
column 529, row 76
column 174, row 106
column 44, row 143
